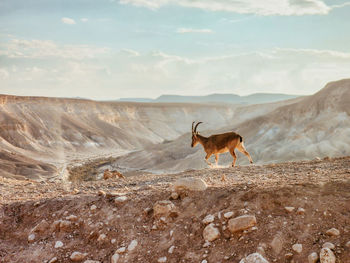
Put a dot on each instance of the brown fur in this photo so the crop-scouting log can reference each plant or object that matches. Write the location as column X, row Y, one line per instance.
column 220, row 143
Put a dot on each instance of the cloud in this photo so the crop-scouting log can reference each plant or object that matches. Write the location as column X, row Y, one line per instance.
column 192, row 30
column 84, row 20
column 37, row 67
column 22, row 48
column 67, row 20
column 264, row 8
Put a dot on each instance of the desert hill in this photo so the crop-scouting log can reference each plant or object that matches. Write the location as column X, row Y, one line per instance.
column 256, row 98
column 316, row 125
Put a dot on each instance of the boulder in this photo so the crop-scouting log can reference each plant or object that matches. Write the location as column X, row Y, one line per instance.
column 190, row 184
column 211, row 233
column 241, row 223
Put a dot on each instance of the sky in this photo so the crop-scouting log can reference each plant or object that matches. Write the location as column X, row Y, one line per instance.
column 108, row 49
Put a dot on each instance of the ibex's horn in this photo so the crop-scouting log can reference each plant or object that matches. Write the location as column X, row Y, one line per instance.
column 195, row 128
column 192, row 125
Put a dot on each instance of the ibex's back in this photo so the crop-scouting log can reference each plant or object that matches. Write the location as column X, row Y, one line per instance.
column 219, row 143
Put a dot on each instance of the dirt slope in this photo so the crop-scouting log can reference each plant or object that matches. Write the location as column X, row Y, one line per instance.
column 321, row 188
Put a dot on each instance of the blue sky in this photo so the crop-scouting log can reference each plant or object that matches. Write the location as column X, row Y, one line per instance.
column 145, row 48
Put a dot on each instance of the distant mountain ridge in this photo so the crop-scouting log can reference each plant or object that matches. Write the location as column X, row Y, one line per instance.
column 255, row 98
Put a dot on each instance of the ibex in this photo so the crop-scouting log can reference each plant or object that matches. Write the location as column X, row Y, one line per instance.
column 219, row 143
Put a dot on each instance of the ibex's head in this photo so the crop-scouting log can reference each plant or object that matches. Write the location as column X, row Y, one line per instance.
column 194, row 134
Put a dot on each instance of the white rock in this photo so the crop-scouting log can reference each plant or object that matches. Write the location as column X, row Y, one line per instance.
column 297, row 248
column 329, row 245
column 163, row 208
column 120, row 199
column 113, row 241
column 241, row 223
column 228, row 214
column 300, row 211
column 289, row 209
column 190, row 183
column 333, row 232
column 327, row 256
column 31, row 237
column 254, row 258
column 211, row 233
column 208, row 219
column 171, row 249
column 91, row 261
column 121, row 250
column 313, row 257
column 162, row 259
column 347, row 244
column 101, row 238
column 53, row 260
column 174, row 195
column 72, row 218
column 115, row 258
column 132, row 245
column 78, row 256
column 93, row 207
column 58, row 244
column 204, row 261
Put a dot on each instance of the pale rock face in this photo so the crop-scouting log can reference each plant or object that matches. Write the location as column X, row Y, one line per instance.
column 254, row 258
column 132, row 245
column 163, row 208
column 313, row 257
column 327, row 256
column 241, row 223
column 190, row 183
column 228, row 214
column 297, row 248
column 211, row 233
column 208, row 219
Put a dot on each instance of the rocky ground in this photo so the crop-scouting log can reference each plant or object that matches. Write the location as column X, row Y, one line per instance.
column 288, row 212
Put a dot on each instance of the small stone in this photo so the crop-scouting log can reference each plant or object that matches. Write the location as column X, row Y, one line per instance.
column 41, row 227
column 121, row 250
column 327, row 256
column 288, row 255
column 190, row 183
column 260, row 250
column 289, row 209
column 204, row 261
column 228, row 214
column 113, row 241
column 78, row 256
column 162, row 259
column 53, row 260
column 211, row 233
column 132, row 245
column 297, row 248
column 115, row 258
column 101, row 193
column 93, row 207
column 347, row 244
column 163, row 208
column 206, row 244
column 91, row 261
column 58, row 244
column 300, row 211
column 208, row 219
column 329, row 245
column 72, row 218
column 277, row 244
column 333, row 232
column 31, row 238
column 174, row 195
column 241, row 223
column 313, row 257
column 120, row 199
column 101, row 238
column 254, row 258
column 171, row 249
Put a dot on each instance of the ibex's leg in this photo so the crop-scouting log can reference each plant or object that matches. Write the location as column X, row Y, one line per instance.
column 206, row 159
column 232, row 152
column 216, row 159
column 241, row 148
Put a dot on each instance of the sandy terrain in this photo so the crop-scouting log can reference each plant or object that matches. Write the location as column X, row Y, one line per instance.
column 98, row 225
